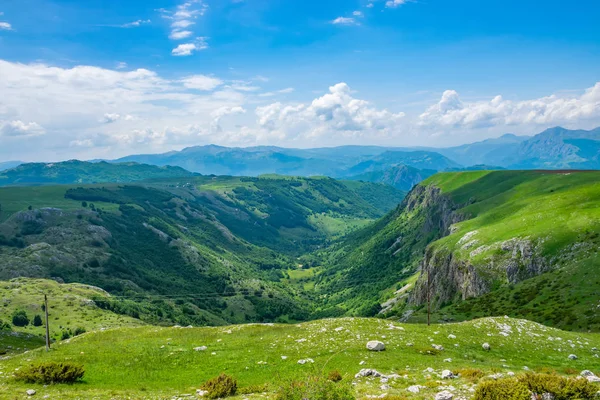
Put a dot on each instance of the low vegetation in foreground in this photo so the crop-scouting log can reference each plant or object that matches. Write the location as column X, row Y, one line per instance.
column 289, row 361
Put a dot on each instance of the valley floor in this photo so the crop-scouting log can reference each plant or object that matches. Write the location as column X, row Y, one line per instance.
column 151, row 362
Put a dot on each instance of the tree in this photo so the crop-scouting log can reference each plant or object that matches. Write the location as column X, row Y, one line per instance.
column 84, row 204
column 19, row 318
column 30, row 208
column 37, row 320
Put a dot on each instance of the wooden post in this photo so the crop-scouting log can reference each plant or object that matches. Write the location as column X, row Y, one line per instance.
column 47, row 327
column 428, row 298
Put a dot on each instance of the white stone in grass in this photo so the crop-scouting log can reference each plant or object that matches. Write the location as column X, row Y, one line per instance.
column 445, row 395
column 451, row 336
column 30, row 392
column 201, row 392
column 447, row 374
column 284, row 357
column 415, row 388
column 200, row 348
column 486, row 346
column 449, row 360
column 375, row 345
column 573, row 357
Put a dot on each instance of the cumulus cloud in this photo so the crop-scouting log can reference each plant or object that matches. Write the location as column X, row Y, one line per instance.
column 5, row 26
column 358, row 13
column 201, row 82
column 183, row 17
column 452, row 112
column 187, row 49
column 20, row 129
column 344, row 21
column 395, row 3
column 335, row 112
column 177, row 35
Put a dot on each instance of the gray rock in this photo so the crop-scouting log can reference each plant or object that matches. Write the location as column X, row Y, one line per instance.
column 573, row 357
column 30, row 392
column 447, row 374
column 486, row 346
column 415, row 388
column 445, row 395
column 201, row 348
column 375, row 345
column 585, row 373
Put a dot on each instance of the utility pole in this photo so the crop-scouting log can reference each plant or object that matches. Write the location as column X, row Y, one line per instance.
column 47, row 327
column 428, row 298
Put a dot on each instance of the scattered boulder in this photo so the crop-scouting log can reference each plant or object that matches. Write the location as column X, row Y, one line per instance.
column 486, row 346
column 447, row 374
column 573, row 357
column 368, row 372
column 375, row 345
column 415, row 388
column 445, row 395
column 201, row 348
column 438, row 347
column 590, row 376
column 30, row 392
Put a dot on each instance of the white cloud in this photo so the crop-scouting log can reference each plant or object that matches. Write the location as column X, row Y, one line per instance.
column 121, row 65
column 183, row 17
column 395, row 3
column 336, row 112
column 201, row 82
column 244, row 86
column 187, row 49
column 110, row 118
column 20, row 129
column 135, row 24
column 5, row 26
column 177, row 35
column 451, row 111
column 344, row 21
column 370, row 5
column 275, row 93
column 358, row 14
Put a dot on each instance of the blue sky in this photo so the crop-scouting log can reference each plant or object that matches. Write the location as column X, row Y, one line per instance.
column 101, row 78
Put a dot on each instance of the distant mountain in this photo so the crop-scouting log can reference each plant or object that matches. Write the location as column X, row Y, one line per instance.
column 9, row 164
column 490, row 152
column 558, row 148
column 86, row 172
column 401, row 177
column 253, row 161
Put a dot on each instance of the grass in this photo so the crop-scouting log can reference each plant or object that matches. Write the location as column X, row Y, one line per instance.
column 68, row 304
column 161, row 361
column 15, row 199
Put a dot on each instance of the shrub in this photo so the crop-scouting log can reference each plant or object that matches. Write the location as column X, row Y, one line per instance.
column 5, row 326
column 51, row 372
column 19, row 318
column 220, row 387
column 37, row 320
column 561, row 387
column 470, row 374
column 334, row 376
column 78, row 331
column 65, row 335
column 253, row 389
column 314, row 388
column 502, row 389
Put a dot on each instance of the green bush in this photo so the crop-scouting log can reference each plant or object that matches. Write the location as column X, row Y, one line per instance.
column 37, row 320
column 78, row 331
column 19, row 318
column 5, row 326
column 561, row 387
column 220, row 387
column 51, row 372
column 502, row 389
column 334, row 376
column 314, row 388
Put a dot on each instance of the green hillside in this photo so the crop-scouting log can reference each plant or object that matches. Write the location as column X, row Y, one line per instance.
column 162, row 363
column 70, row 308
column 75, row 171
column 196, row 250
column 478, row 233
